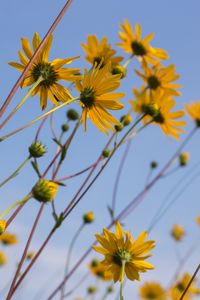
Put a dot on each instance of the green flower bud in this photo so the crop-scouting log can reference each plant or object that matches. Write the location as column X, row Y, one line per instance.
column 119, row 127
column 44, row 190
column 150, row 109
column 154, row 164
column 126, row 120
column 72, row 115
column 106, row 153
column 110, row 289
column 37, row 149
column 184, row 158
column 119, row 70
column 92, row 289
column 65, row 127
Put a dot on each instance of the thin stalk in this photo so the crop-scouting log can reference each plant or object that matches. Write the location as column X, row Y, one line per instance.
column 10, row 293
column 34, row 57
column 15, row 173
column 122, row 280
column 37, row 119
column 190, row 282
column 71, row 246
column 40, row 79
column 125, row 65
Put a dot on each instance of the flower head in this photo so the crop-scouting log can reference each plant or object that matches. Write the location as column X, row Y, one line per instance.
column 157, row 107
column 193, row 109
column 177, row 232
column 45, row 190
column 37, row 149
column 122, row 252
column 8, row 239
column 3, row 258
column 96, row 97
column 100, row 52
column 177, row 290
column 152, row 291
column 88, row 217
column 50, row 71
column 2, row 226
column 184, row 158
column 99, row 270
column 133, row 43
column 159, row 78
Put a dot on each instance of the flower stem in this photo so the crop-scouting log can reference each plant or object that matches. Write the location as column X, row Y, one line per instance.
column 191, row 280
column 125, row 65
column 15, row 173
column 122, row 280
column 22, row 101
column 37, row 119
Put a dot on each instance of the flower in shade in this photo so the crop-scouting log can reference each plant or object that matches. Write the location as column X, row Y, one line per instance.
column 123, row 255
column 100, row 52
column 99, row 270
column 152, row 291
column 2, row 226
column 159, row 78
column 177, row 232
column 96, row 97
column 8, row 239
column 177, row 290
column 3, row 258
column 193, row 109
column 158, row 108
column 134, row 44
column 50, row 71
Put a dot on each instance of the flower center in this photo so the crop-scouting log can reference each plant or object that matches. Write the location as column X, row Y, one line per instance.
column 151, row 295
column 87, row 97
column 153, row 82
column 121, row 256
column 47, row 71
column 198, row 122
column 138, row 48
column 150, row 109
column 159, row 118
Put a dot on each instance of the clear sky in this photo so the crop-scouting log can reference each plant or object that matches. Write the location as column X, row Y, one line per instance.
column 176, row 26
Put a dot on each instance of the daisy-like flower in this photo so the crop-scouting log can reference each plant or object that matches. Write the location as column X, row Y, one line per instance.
column 99, row 270
column 8, row 239
column 133, row 44
column 123, row 255
column 177, row 232
column 193, row 109
column 50, row 71
column 152, row 291
column 96, row 97
column 159, row 78
column 157, row 107
column 177, row 290
column 100, row 52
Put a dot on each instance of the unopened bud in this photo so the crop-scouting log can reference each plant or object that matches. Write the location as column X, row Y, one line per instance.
column 65, row 127
column 184, row 158
column 2, row 226
column 119, row 70
column 37, row 149
column 106, row 153
column 44, row 190
column 72, row 115
column 126, row 120
column 88, row 217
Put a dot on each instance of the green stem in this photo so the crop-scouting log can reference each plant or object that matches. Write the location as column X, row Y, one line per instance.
column 125, row 65
column 22, row 201
column 22, row 101
column 37, row 119
column 15, row 173
column 122, row 280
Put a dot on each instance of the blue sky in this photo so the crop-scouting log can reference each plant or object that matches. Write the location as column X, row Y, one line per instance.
column 176, row 27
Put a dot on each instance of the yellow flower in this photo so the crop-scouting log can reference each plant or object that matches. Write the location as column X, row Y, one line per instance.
column 198, row 220
column 88, row 217
column 193, row 109
column 121, row 252
column 51, row 71
column 96, row 97
column 152, row 291
column 177, row 290
column 159, row 78
column 30, row 255
column 45, row 190
column 3, row 258
column 134, row 44
column 99, row 270
column 157, row 107
column 177, row 232
column 184, row 158
column 2, row 226
column 8, row 238
column 97, row 52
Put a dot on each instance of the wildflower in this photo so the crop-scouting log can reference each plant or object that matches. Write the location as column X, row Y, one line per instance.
column 158, row 109
column 99, row 270
column 152, row 291
column 184, row 158
column 193, row 109
column 95, row 97
column 8, row 239
column 198, row 220
column 2, row 226
column 3, row 258
column 45, row 190
column 177, row 232
column 123, row 254
column 177, row 290
column 37, row 149
column 159, row 78
column 50, row 71
column 100, row 52
column 88, row 217
column 133, row 44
